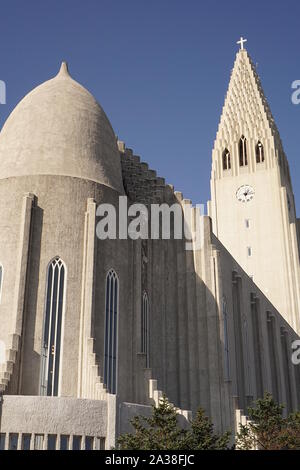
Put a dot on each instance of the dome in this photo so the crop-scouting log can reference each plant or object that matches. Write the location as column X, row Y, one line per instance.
column 60, row 129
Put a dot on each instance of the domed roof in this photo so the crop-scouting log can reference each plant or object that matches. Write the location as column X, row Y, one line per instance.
column 60, row 129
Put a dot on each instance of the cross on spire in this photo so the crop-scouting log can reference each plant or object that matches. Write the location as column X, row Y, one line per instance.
column 241, row 42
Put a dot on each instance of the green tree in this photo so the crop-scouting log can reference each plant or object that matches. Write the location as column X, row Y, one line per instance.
column 290, row 434
column 267, row 429
column 201, row 435
column 161, row 431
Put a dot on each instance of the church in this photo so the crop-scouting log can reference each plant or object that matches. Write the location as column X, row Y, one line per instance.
column 94, row 331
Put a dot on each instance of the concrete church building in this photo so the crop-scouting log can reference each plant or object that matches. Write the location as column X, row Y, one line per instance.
column 95, row 331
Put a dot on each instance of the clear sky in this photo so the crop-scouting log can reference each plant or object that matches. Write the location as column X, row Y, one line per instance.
column 159, row 68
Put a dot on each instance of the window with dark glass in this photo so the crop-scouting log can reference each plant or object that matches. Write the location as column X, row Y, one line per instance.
column 64, row 442
column 76, row 443
column 89, row 441
column 260, row 156
column 13, row 441
column 2, row 441
column 26, row 439
column 243, row 151
column 52, row 442
column 226, row 160
column 111, row 331
column 145, row 327
column 51, row 347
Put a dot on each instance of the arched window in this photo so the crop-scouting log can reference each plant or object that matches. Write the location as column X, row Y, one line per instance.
column 243, row 151
column 226, row 160
column 52, row 340
column 145, row 327
column 260, row 157
column 111, row 331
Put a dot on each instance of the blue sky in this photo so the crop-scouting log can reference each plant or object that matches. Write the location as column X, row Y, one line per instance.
column 159, row 68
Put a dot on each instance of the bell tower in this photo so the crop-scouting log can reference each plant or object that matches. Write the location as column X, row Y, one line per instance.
column 252, row 203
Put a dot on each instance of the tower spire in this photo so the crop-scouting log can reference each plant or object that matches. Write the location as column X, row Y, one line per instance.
column 245, row 103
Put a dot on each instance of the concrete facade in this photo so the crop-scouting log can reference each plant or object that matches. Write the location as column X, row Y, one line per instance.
column 216, row 339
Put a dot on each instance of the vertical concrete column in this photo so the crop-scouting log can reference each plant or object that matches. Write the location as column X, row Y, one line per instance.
column 265, row 350
column 32, row 441
column 137, row 359
column 182, row 329
column 22, row 263
column 240, row 362
column 293, row 374
column 290, row 382
column 245, row 314
column 169, row 325
column 202, row 292
column 224, row 390
column 296, row 266
column 274, row 363
column 291, row 304
column 283, row 398
column 191, row 313
column 113, row 425
column 87, row 298
column 213, row 333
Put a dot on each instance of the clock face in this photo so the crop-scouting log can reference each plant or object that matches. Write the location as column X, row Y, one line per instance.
column 245, row 193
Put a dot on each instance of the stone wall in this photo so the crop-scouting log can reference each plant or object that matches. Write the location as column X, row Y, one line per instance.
column 43, row 416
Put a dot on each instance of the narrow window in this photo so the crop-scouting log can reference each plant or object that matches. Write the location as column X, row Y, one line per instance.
column 243, row 151
column 38, row 441
column 13, row 441
column 51, row 442
column 226, row 160
column 51, row 348
column 2, row 440
column 145, row 327
column 247, row 223
column 111, row 329
column 89, row 442
column 260, row 157
column 100, row 443
column 26, row 439
column 249, row 251
column 64, row 442
column 76, row 443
